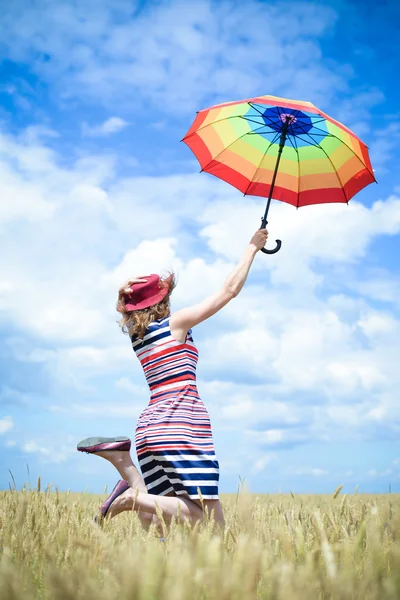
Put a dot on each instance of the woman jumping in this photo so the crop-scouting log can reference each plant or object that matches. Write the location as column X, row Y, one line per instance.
column 173, row 437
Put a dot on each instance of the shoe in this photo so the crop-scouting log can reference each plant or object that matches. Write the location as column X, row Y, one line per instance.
column 119, row 489
column 98, row 444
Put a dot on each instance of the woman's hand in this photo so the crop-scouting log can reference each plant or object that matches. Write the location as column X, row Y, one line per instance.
column 126, row 287
column 259, row 239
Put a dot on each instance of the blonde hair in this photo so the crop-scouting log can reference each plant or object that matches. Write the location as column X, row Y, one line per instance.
column 135, row 322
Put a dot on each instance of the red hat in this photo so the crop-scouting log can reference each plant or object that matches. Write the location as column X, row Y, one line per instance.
column 147, row 294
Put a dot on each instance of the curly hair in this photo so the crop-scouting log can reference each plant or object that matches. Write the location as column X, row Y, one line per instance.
column 135, row 322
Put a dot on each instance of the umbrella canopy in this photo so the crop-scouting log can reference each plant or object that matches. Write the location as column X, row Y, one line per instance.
column 321, row 160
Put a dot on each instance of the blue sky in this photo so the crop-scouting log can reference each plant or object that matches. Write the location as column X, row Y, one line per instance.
column 300, row 372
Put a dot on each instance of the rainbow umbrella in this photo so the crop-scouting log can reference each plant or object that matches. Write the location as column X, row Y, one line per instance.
column 269, row 146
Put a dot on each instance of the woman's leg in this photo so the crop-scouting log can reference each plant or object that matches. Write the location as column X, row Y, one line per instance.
column 170, row 506
column 122, row 461
column 146, row 520
column 137, row 498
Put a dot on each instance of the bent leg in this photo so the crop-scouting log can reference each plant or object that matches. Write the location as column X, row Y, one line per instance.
column 171, row 506
column 147, row 519
column 137, row 498
column 122, row 461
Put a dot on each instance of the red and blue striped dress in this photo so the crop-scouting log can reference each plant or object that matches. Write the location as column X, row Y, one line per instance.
column 173, row 438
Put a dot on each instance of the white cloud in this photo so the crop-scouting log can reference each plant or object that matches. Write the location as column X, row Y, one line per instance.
column 250, row 349
column 56, row 453
column 309, row 234
column 318, row 347
column 376, row 324
column 377, row 286
column 91, row 196
column 10, row 396
column 102, row 52
column 34, row 187
column 344, row 416
column 383, row 147
column 108, row 127
column 270, row 436
column 6, row 424
column 239, row 407
column 150, row 256
column 376, row 473
column 23, row 201
column 126, row 385
column 33, row 447
column 262, row 463
column 128, row 410
column 314, row 472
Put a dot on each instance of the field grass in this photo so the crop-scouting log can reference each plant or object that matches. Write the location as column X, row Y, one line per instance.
column 274, row 547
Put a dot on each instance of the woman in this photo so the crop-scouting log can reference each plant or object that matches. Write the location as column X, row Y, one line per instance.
column 173, row 438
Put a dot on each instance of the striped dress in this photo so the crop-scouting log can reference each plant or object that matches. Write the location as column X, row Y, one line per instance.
column 173, row 438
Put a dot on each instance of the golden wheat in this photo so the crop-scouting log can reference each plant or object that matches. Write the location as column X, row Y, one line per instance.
column 274, row 547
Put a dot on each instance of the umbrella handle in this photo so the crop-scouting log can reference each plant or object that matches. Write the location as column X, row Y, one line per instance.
column 274, row 250
column 264, row 223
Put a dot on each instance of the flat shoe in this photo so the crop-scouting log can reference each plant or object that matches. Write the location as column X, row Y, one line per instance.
column 99, row 444
column 119, row 489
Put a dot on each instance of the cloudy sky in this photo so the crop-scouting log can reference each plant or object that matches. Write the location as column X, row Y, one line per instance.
column 300, row 373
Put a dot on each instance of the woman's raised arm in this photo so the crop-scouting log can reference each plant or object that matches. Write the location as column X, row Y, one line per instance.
column 182, row 320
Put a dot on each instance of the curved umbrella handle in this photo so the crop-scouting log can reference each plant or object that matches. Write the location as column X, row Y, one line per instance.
column 264, row 223
column 274, row 250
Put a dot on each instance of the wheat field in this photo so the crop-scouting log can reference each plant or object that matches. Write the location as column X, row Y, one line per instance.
column 274, row 547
